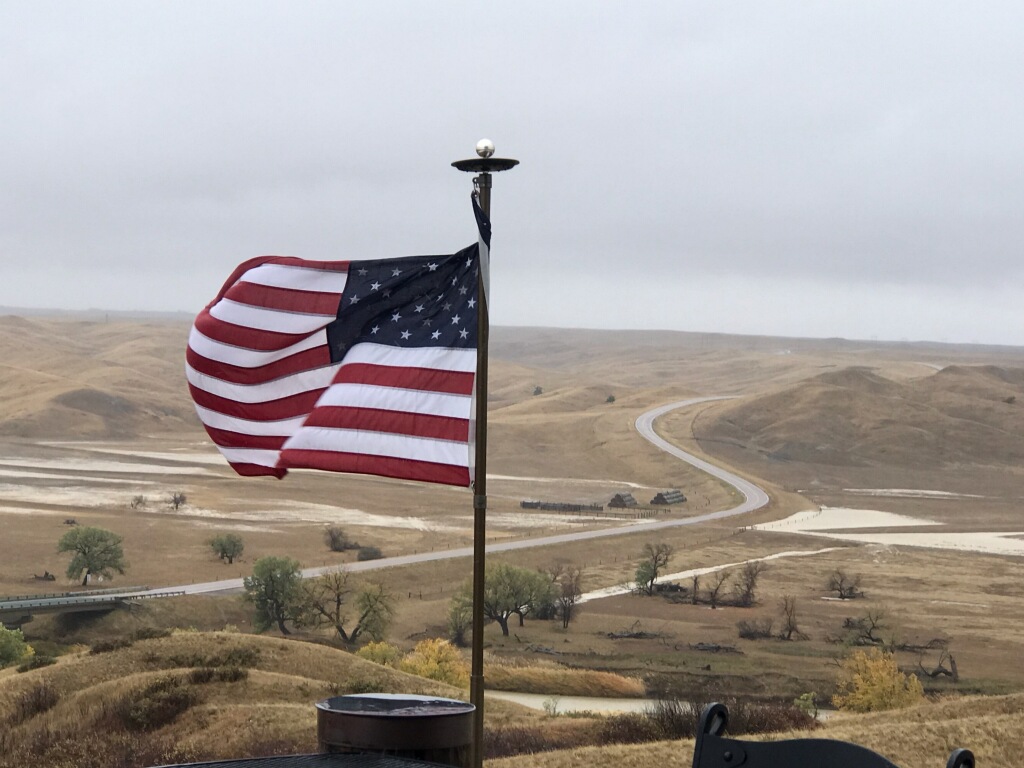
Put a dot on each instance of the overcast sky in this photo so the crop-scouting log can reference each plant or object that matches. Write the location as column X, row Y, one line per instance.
column 850, row 169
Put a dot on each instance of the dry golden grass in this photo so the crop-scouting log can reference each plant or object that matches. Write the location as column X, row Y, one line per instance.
column 67, row 380
column 272, row 704
column 921, row 737
column 552, row 680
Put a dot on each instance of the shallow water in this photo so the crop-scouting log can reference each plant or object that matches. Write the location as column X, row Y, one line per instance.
column 562, row 704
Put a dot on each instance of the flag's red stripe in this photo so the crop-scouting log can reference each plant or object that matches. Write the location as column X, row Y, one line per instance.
column 257, row 470
column 290, row 261
column 394, row 422
column 307, row 360
column 284, row 299
column 271, row 410
column 386, row 466
column 226, row 439
column 240, row 336
column 427, row 379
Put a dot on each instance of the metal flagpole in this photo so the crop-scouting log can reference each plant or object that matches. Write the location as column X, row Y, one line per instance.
column 484, row 165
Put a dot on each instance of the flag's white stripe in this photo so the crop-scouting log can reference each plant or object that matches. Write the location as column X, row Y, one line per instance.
column 380, row 444
column 250, row 358
column 261, row 393
column 297, row 278
column 251, row 456
column 279, row 428
column 268, row 319
column 393, row 399
column 440, row 358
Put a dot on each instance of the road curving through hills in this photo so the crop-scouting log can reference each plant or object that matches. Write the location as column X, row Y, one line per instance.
column 753, row 498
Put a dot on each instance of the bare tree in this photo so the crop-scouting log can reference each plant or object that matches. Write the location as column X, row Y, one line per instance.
column 790, row 624
column 566, row 582
column 138, row 502
column 867, row 629
column 940, row 667
column 746, row 587
column 845, row 586
column 717, row 583
column 695, row 588
column 177, row 499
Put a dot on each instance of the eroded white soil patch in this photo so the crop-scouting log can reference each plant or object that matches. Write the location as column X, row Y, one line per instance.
column 99, row 465
column 910, row 493
column 842, row 523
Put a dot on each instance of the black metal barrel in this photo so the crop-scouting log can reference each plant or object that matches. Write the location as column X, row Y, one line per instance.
column 404, row 725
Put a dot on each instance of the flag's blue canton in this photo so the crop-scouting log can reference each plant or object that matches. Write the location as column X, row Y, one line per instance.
column 419, row 301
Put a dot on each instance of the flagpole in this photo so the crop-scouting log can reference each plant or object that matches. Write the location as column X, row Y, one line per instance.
column 484, row 165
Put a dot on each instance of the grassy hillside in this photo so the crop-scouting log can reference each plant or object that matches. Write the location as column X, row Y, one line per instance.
column 190, row 696
column 197, row 696
column 857, row 423
column 818, row 416
column 65, row 379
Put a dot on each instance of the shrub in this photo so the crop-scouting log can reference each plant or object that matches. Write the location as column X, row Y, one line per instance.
column 807, row 703
column 337, row 540
column 437, row 659
column 110, row 644
column 13, row 647
column 202, row 675
column 527, row 740
column 381, row 653
column 870, row 681
column 630, row 728
column 113, row 750
column 231, row 657
column 369, row 553
column 36, row 700
column 770, row 717
column 156, row 705
column 755, row 629
column 35, row 662
column 150, row 633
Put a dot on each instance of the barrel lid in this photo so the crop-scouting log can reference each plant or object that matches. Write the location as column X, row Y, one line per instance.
column 394, row 705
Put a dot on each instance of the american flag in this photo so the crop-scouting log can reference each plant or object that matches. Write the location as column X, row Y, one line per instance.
column 347, row 366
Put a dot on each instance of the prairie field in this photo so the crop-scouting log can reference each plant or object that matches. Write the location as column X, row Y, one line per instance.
column 96, row 416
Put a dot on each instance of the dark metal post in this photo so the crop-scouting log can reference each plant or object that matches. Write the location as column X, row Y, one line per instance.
column 483, row 165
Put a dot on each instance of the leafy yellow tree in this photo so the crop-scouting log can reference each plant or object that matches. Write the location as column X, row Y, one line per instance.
column 437, row 659
column 870, row 681
column 382, row 653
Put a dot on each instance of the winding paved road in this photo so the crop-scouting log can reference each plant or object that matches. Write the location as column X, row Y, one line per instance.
column 754, row 498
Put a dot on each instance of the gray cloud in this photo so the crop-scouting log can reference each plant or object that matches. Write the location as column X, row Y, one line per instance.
column 868, row 152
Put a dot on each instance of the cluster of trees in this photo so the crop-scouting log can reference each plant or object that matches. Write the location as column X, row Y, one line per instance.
column 174, row 500
column 282, row 598
column 510, row 590
column 709, row 588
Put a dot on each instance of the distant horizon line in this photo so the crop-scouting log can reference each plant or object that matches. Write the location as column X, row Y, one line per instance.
column 185, row 315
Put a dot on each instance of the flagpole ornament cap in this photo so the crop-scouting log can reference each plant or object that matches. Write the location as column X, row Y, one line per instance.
column 485, row 164
column 485, row 147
